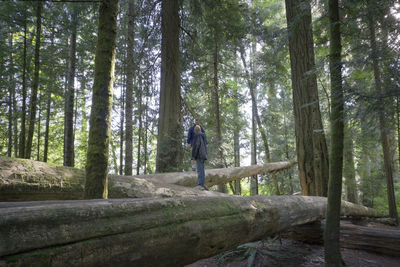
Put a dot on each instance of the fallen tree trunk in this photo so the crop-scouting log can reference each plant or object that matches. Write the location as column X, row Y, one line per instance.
column 26, row 180
column 147, row 232
column 375, row 239
column 217, row 176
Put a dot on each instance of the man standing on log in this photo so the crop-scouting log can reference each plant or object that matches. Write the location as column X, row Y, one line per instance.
column 190, row 139
column 199, row 153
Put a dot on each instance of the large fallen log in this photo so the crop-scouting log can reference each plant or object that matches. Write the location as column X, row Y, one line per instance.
column 26, row 180
column 369, row 238
column 147, row 232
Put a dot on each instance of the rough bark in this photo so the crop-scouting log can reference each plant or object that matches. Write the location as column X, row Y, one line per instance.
column 169, row 139
column 382, row 121
column 70, row 94
column 311, row 148
column 35, row 86
column 100, row 232
column 100, row 116
column 25, row 180
column 129, row 90
column 332, row 228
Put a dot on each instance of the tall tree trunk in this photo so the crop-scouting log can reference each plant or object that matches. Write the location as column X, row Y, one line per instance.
column 236, row 138
column 48, row 104
column 283, row 97
column 122, row 136
column 129, row 90
column 349, row 170
column 100, row 116
column 332, row 228
column 35, row 86
column 46, row 135
column 70, row 95
column 39, row 120
column 139, row 95
column 23, row 111
column 12, row 84
column 311, row 148
column 146, row 128
column 382, row 121
column 254, row 178
column 169, row 144
column 11, row 98
column 220, row 164
column 365, row 166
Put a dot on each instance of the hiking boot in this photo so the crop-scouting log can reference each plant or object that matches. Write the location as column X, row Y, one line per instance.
column 206, row 188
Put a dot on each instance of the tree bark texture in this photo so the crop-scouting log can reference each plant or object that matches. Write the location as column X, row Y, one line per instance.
column 100, row 116
column 70, row 95
column 311, row 148
column 332, row 228
column 166, row 232
column 35, row 86
column 169, row 140
column 25, row 180
column 382, row 121
column 130, row 69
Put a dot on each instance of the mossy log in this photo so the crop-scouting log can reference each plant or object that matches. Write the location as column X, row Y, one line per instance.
column 371, row 238
column 147, row 232
column 26, row 180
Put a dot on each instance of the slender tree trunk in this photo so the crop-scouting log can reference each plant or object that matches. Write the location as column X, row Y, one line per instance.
column 48, row 104
column 139, row 95
column 382, row 121
column 222, row 187
column 283, row 97
column 10, row 100
column 169, row 144
column 70, row 95
column 311, row 148
column 254, row 103
column 122, row 137
column 129, row 90
column 398, row 130
column 12, row 84
column 46, row 135
column 35, row 86
column 254, row 178
column 100, row 117
column 23, row 111
column 39, row 120
column 332, row 228
column 236, row 139
column 365, row 166
column 349, row 170
column 146, row 128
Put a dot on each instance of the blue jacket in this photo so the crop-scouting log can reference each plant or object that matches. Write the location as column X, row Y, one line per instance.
column 191, row 134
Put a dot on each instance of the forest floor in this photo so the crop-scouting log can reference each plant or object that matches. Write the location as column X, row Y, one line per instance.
column 288, row 252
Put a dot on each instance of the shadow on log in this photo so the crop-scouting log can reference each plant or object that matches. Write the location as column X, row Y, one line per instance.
column 147, row 232
column 372, row 238
column 27, row 180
